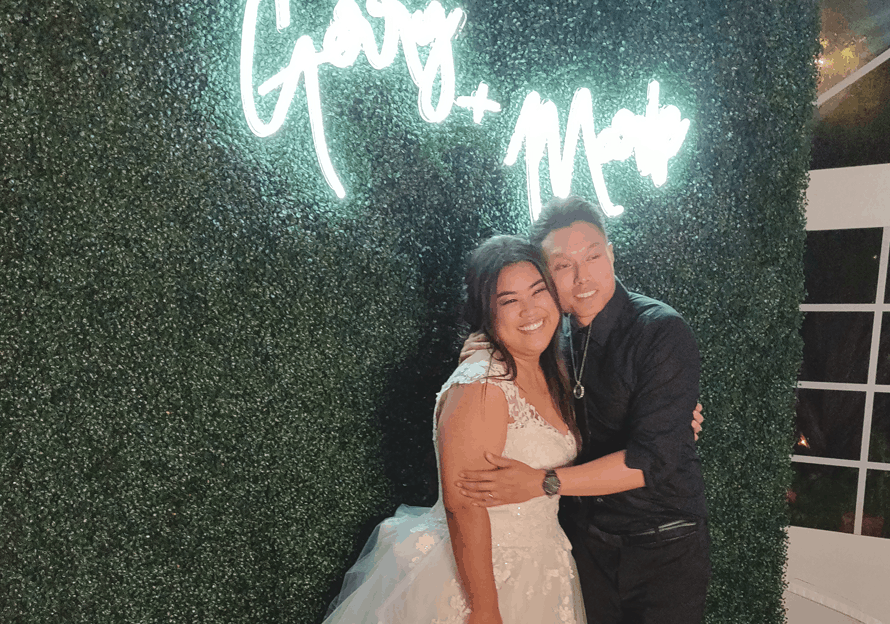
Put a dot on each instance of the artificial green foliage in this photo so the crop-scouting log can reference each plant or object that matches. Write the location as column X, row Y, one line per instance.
column 215, row 376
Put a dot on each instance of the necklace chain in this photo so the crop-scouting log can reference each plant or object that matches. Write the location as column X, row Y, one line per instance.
column 578, row 391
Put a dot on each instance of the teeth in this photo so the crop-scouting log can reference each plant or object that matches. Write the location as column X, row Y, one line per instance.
column 585, row 295
column 532, row 326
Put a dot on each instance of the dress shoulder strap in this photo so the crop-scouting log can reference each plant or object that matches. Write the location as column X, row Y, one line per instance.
column 483, row 367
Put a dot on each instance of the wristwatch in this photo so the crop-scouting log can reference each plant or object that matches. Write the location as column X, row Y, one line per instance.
column 551, row 483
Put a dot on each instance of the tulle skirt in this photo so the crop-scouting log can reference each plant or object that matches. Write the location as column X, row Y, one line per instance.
column 406, row 574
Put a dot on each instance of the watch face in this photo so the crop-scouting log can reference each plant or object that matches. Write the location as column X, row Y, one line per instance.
column 551, row 485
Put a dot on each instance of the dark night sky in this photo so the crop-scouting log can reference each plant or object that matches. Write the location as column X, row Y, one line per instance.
column 853, row 128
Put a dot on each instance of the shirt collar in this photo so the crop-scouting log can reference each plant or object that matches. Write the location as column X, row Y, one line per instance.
column 606, row 320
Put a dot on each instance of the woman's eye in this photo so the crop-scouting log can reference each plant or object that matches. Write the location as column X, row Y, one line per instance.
column 543, row 289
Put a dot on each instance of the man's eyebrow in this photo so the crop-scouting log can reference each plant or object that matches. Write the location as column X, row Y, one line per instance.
column 504, row 293
column 563, row 254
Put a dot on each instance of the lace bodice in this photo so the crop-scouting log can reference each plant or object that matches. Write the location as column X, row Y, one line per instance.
column 531, row 440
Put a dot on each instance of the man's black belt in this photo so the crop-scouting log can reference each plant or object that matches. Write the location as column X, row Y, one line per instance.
column 667, row 532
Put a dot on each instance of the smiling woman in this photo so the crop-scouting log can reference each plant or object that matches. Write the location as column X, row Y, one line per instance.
column 526, row 314
column 459, row 562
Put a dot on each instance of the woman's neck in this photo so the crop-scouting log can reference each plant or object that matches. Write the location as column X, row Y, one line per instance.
column 529, row 371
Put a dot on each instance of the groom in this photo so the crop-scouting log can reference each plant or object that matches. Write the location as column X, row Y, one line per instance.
column 633, row 503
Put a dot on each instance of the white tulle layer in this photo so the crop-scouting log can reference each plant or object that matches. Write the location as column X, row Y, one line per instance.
column 406, row 575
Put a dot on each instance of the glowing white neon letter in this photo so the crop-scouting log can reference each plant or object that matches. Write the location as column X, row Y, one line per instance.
column 435, row 29
column 666, row 132
column 652, row 138
column 538, row 128
column 304, row 62
column 348, row 35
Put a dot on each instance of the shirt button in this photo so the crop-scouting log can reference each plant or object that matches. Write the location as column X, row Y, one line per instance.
column 599, row 499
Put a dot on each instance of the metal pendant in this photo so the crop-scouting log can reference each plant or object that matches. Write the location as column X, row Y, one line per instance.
column 579, row 390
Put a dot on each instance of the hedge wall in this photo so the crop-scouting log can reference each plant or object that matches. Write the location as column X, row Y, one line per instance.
column 215, row 375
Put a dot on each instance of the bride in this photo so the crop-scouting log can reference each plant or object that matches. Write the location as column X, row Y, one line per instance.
column 457, row 563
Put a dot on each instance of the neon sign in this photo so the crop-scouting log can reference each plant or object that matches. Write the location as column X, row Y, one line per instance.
column 652, row 138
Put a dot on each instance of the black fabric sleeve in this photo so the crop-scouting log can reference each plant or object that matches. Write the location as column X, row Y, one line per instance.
column 664, row 394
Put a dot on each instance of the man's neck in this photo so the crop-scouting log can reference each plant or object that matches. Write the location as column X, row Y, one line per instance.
column 580, row 323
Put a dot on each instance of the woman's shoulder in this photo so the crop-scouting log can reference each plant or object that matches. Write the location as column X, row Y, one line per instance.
column 467, row 387
column 481, row 367
column 464, row 400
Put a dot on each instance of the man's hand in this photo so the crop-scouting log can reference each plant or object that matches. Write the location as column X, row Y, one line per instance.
column 510, row 481
column 475, row 342
column 697, row 420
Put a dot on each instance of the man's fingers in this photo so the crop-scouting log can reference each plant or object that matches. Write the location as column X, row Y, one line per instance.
column 482, row 499
column 475, row 486
column 478, row 340
column 497, row 460
column 485, row 503
column 475, row 495
column 477, row 336
column 477, row 475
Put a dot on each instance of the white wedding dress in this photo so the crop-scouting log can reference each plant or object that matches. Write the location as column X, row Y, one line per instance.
column 406, row 573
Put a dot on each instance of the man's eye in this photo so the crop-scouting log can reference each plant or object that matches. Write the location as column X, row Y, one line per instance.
column 560, row 267
column 542, row 289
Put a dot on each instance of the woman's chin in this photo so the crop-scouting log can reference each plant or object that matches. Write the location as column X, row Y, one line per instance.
column 528, row 349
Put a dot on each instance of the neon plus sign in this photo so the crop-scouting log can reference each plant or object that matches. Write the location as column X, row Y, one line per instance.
column 478, row 103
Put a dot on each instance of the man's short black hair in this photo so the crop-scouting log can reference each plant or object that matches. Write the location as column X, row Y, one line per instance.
column 561, row 213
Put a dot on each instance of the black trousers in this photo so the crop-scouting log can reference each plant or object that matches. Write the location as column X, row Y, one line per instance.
column 662, row 582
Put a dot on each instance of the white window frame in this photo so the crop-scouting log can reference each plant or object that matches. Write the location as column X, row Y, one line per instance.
column 841, row 199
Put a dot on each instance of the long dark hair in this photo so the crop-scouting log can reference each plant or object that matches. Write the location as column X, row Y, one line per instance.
column 484, row 266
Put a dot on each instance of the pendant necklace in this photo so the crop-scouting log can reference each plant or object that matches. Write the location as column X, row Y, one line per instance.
column 579, row 389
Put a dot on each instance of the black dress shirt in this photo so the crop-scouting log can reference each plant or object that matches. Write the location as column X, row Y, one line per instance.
column 641, row 382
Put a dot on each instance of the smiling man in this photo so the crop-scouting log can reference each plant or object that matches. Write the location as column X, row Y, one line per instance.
column 633, row 503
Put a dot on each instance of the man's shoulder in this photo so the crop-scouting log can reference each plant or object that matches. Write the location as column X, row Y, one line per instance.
column 646, row 310
column 657, row 330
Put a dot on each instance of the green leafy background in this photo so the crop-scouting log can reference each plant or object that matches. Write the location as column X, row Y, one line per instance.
column 215, row 376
